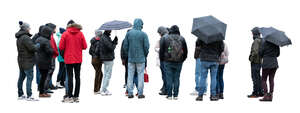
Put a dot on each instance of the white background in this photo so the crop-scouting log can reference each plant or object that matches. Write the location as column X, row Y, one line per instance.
column 240, row 16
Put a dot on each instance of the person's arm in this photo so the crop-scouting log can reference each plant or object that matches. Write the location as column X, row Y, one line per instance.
column 162, row 48
column 84, row 45
column 185, row 50
column 108, row 44
column 29, row 44
column 125, row 46
column 146, row 45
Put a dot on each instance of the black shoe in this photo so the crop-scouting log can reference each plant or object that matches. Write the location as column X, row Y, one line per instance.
column 221, row 96
column 130, row 96
column 53, row 88
column 214, row 98
column 141, row 96
column 162, row 93
column 199, row 98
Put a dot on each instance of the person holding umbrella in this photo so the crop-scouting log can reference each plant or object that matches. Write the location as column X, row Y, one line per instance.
column 107, row 55
column 269, row 52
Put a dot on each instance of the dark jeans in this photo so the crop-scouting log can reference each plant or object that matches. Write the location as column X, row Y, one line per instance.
column 43, row 73
column 50, row 73
column 76, row 68
column 126, row 71
column 22, row 75
column 220, row 81
column 61, row 76
column 163, row 75
column 256, row 78
column 271, row 74
column 172, row 78
column 97, row 64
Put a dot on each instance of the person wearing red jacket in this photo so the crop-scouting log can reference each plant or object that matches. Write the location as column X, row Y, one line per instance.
column 71, row 45
column 55, row 54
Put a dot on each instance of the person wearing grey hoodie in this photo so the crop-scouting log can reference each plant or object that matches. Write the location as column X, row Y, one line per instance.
column 136, row 46
column 163, row 32
column 26, row 49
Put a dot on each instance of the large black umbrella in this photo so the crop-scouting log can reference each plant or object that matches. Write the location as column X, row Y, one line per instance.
column 209, row 29
column 115, row 25
column 275, row 36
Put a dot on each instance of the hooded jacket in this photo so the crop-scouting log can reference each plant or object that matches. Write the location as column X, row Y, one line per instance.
column 106, row 48
column 136, row 43
column 269, row 53
column 210, row 52
column 45, row 52
column 254, row 56
column 72, row 43
column 26, row 50
column 94, row 47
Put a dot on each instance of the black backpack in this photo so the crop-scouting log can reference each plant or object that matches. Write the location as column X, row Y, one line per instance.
column 175, row 49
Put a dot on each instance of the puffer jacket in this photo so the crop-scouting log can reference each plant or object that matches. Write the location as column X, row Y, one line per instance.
column 26, row 50
column 94, row 47
column 210, row 52
column 106, row 48
column 269, row 53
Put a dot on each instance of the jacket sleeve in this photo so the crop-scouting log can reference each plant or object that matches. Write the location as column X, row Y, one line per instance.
column 278, row 49
column 125, row 45
column 124, row 56
column 62, row 42
column 53, row 45
column 84, row 45
column 29, row 44
column 146, row 45
column 261, row 48
column 185, row 50
column 162, row 48
column 108, row 44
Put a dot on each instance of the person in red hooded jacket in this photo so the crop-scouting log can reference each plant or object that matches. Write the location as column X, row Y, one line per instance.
column 71, row 45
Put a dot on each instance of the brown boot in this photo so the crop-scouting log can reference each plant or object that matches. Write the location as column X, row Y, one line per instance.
column 45, row 95
column 267, row 98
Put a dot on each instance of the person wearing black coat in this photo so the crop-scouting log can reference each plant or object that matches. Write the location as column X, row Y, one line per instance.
column 34, row 38
column 44, row 58
column 209, row 55
column 107, row 55
column 269, row 53
column 26, row 49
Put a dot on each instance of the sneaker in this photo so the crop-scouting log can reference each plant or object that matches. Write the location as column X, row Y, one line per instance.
column 214, row 98
column 194, row 93
column 76, row 99
column 199, row 98
column 107, row 93
column 58, row 85
column 45, row 95
column 130, row 96
column 267, row 98
column 22, row 97
column 169, row 97
column 96, row 93
column 175, row 98
column 31, row 99
column 68, row 100
column 141, row 96
column 162, row 93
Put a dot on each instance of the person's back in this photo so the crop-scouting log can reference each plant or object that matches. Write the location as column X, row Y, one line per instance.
column 269, row 53
column 45, row 52
column 26, row 49
column 212, row 51
column 137, row 43
column 73, row 42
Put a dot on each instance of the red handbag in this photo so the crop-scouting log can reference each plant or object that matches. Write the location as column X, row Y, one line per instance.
column 146, row 76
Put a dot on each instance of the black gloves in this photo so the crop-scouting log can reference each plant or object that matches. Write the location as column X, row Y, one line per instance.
column 115, row 41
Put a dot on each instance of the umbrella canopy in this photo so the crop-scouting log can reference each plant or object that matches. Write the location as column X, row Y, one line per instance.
column 209, row 29
column 115, row 25
column 275, row 36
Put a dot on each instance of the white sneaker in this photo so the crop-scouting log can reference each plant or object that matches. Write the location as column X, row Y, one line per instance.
column 31, row 99
column 68, row 100
column 96, row 93
column 22, row 97
column 194, row 93
column 76, row 99
column 107, row 93
column 169, row 98
column 58, row 85
column 175, row 98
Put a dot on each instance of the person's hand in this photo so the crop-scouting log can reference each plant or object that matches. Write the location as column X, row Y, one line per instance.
column 115, row 41
column 37, row 45
column 123, row 62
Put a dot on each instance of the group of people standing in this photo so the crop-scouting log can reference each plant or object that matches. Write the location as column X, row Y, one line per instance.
column 171, row 49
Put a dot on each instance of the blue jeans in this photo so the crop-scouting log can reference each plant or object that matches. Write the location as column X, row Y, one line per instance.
column 220, row 81
column 139, row 68
column 197, row 76
column 23, row 74
column 163, row 74
column 204, row 67
column 172, row 77
column 107, row 74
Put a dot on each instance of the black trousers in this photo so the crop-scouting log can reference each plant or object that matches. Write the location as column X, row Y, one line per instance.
column 76, row 68
column 44, row 74
column 256, row 78
column 61, row 76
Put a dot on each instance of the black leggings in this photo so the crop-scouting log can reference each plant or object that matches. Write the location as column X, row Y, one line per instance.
column 271, row 74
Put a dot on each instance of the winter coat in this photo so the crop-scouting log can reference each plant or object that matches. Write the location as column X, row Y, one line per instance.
column 106, row 48
column 210, row 52
column 94, row 47
column 136, row 43
column 72, row 43
column 26, row 49
column 224, row 55
column 59, row 57
column 45, row 52
column 254, row 56
column 269, row 53
column 164, row 44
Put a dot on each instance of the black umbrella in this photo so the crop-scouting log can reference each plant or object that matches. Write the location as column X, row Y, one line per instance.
column 209, row 29
column 275, row 36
